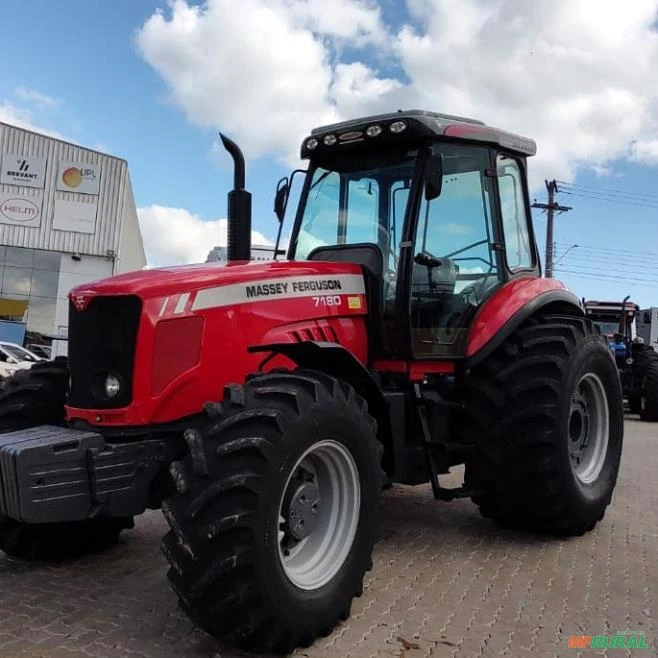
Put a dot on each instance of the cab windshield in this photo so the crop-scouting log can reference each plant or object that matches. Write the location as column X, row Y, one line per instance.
column 357, row 200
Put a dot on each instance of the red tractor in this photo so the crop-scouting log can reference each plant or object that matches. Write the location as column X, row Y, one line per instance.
column 264, row 405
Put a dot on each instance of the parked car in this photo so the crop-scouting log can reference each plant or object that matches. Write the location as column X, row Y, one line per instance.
column 44, row 351
column 13, row 357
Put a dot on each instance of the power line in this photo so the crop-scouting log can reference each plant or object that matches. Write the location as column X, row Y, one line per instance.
column 654, row 254
column 606, row 190
column 610, row 199
column 612, row 273
column 623, row 261
column 601, row 277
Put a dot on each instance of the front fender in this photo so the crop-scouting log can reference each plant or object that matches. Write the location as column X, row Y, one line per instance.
column 337, row 361
column 512, row 305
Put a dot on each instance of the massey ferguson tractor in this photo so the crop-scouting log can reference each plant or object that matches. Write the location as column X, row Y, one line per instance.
column 263, row 406
column 637, row 362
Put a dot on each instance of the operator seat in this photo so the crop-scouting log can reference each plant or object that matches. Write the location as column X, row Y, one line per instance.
column 371, row 259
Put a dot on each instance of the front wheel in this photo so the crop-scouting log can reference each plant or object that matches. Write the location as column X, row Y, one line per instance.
column 273, row 518
column 547, row 412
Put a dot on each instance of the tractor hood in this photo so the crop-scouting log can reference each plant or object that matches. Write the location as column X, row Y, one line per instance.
column 159, row 282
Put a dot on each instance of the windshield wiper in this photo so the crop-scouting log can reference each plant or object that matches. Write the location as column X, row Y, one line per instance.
column 319, row 180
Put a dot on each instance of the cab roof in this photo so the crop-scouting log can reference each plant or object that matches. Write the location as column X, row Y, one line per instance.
column 417, row 123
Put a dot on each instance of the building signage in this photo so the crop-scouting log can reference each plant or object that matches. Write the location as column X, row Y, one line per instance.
column 78, row 177
column 25, row 170
column 20, row 210
column 74, row 216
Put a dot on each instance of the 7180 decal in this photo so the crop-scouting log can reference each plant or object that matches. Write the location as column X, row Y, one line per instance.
column 328, row 300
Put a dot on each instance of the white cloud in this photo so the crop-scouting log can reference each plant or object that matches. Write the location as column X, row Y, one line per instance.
column 260, row 70
column 35, row 97
column 23, row 118
column 356, row 21
column 645, row 151
column 578, row 76
column 451, row 228
column 561, row 72
column 174, row 236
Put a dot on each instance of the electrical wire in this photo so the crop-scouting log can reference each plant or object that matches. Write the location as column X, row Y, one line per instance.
column 605, row 259
column 609, row 279
column 611, row 250
column 610, row 199
column 607, row 190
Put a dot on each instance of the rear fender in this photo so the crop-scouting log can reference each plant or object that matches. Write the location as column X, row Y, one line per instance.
column 512, row 305
column 337, row 361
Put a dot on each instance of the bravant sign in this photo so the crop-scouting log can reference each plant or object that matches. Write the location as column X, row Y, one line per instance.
column 24, row 170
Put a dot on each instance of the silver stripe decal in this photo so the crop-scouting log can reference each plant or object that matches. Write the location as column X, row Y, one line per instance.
column 180, row 304
column 165, row 301
column 289, row 287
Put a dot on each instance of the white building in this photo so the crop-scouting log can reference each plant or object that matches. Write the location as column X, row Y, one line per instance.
column 67, row 217
column 647, row 326
column 258, row 252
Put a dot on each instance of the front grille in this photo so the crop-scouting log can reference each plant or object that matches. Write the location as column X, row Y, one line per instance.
column 102, row 340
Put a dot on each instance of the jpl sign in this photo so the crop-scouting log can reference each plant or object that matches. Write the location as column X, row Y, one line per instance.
column 20, row 210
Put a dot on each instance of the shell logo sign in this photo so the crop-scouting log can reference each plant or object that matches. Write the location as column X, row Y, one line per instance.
column 72, row 177
column 78, row 177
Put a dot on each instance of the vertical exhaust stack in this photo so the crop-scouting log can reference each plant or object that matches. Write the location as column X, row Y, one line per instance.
column 239, row 208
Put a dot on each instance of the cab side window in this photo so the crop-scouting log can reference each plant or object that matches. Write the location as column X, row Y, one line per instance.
column 518, row 250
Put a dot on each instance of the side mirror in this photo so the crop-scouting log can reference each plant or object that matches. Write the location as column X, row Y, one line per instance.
column 281, row 198
column 434, row 180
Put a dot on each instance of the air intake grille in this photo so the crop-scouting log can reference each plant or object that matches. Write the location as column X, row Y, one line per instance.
column 102, row 340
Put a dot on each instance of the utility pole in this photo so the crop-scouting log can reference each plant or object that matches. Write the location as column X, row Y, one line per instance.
column 550, row 207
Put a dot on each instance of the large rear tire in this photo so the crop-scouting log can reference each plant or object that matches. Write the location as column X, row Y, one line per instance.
column 27, row 399
column 649, row 395
column 273, row 518
column 547, row 412
column 644, row 356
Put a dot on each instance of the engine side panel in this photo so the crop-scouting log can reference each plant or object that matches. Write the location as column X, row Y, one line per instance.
column 324, row 302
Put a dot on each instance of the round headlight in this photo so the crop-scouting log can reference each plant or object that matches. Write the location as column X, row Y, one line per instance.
column 373, row 131
column 329, row 140
column 112, row 386
column 397, row 126
column 311, row 143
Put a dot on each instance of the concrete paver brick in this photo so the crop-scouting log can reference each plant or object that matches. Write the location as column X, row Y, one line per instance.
column 445, row 582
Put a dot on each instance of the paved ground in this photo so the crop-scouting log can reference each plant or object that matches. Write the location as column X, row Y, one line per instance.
column 445, row 583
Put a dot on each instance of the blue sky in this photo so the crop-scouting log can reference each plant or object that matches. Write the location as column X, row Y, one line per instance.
column 147, row 103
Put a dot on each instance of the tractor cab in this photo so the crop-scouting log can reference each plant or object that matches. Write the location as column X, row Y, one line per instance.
column 615, row 321
column 434, row 207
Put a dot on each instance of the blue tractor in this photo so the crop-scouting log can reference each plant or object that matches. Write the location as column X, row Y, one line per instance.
column 637, row 362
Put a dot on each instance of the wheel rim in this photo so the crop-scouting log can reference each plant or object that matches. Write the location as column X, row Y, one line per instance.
column 319, row 514
column 588, row 428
